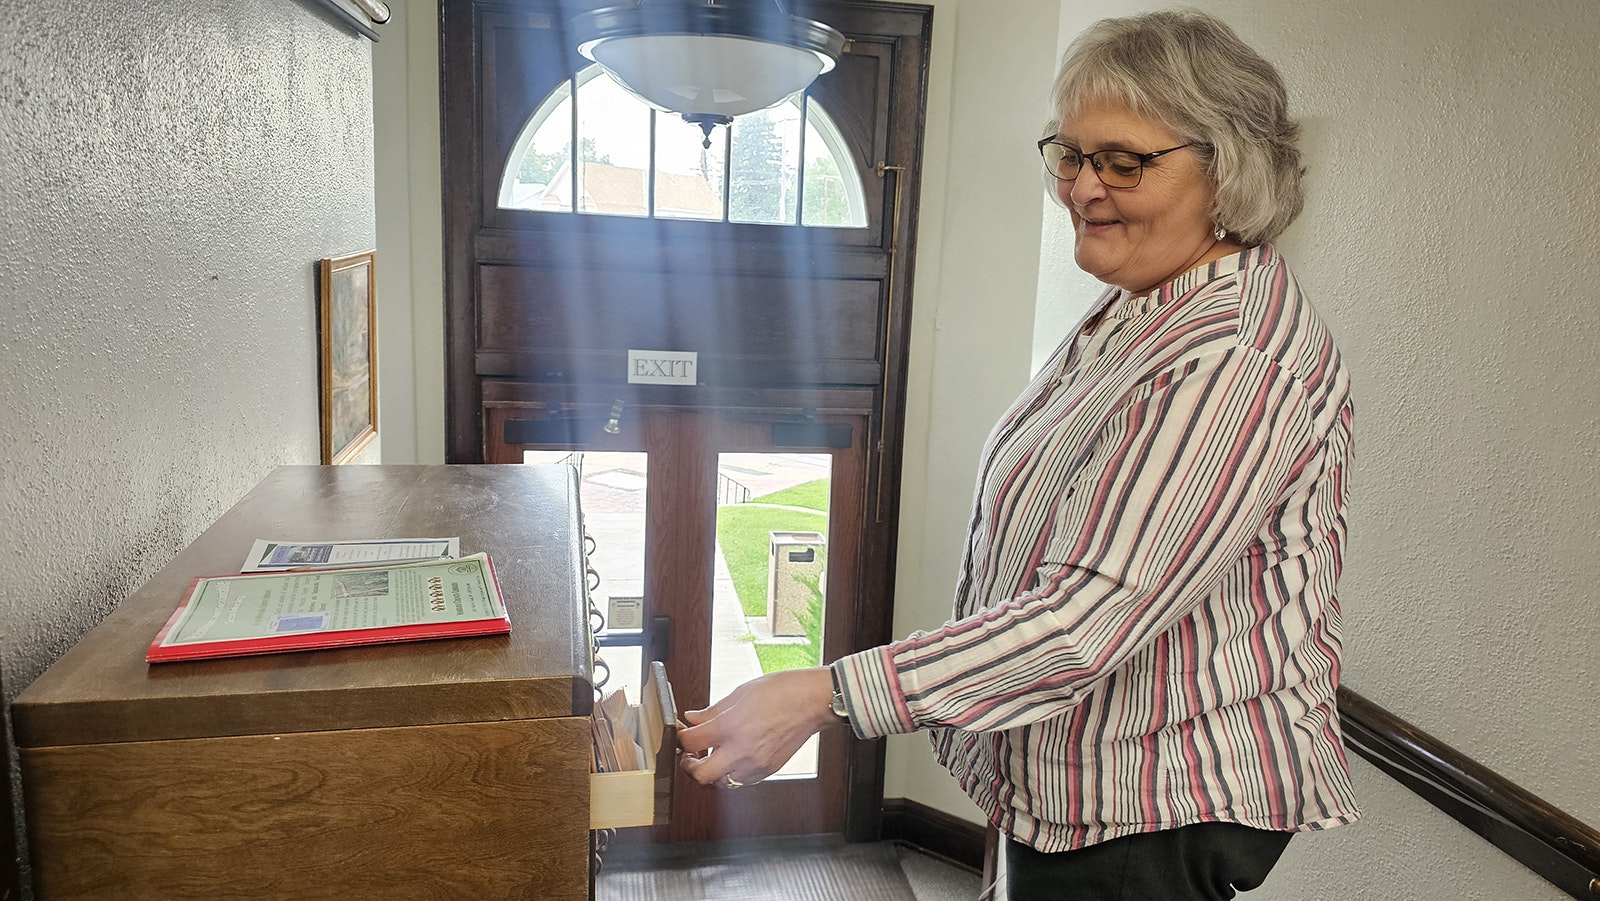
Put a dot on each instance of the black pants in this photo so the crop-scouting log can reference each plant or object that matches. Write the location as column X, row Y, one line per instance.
column 1201, row 862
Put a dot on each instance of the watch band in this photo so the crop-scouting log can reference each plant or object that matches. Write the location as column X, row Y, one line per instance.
column 836, row 704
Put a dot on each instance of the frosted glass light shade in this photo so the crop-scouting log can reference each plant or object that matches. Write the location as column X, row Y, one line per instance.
column 709, row 60
column 702, row 73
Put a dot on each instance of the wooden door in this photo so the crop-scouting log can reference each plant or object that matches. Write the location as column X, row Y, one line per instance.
column 678, row 461
column 790, row 324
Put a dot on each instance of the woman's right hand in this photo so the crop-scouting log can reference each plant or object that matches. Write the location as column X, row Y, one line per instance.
column 748, row 735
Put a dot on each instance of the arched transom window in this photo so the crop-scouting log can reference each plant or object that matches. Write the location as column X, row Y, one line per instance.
column 610, row 154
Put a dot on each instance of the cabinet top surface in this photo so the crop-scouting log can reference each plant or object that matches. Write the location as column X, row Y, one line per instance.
column 524, row 517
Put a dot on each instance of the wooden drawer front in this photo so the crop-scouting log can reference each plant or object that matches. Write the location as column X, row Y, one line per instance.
column 642, row 797
column 485, row 810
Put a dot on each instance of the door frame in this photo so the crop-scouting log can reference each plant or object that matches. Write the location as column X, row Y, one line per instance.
column 890, row 44
column 10, row 868
column 578, row 415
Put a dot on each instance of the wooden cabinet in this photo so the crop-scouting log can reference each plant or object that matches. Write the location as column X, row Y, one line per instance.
column 457, row 768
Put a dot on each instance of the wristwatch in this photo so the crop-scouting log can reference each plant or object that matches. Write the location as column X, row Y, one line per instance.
column 837, row 703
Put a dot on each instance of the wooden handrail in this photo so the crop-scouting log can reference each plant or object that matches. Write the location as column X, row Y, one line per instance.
column 1539, row 835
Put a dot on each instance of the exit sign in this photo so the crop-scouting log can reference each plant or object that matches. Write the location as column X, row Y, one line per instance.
column 662, row 367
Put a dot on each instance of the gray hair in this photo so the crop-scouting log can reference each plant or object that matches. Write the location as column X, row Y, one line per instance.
column 1190, row 72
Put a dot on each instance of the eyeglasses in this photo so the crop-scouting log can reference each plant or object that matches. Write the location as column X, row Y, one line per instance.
column 1115, row 168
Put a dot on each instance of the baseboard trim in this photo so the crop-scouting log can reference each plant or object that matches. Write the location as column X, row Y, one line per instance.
column 938, row 833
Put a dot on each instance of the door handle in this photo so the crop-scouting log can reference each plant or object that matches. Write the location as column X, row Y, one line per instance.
column 660, row 640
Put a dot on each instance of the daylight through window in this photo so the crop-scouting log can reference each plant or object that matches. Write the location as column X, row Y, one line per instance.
column 782, row 166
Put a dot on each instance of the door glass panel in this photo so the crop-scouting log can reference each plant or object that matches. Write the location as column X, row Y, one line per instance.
column 772, row 553
column 763, row 160
column 540, row 177
column 611, row 486
column 689, row 174
column 613, row 164
column 833, row 196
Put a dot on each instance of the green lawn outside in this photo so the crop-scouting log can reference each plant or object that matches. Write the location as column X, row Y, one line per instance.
column 811, row 495
column 743, row 532
column 779, row 657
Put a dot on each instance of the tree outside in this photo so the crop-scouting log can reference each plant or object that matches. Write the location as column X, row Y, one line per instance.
column 762, row 188
column 825, row 202
column 765, row 179
column 539, row 168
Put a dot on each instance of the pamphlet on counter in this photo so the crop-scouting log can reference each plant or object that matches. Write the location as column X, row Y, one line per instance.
column 277, row 556
column 264, row 613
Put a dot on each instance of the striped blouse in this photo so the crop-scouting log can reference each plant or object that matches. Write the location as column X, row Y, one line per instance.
column 1146, row 631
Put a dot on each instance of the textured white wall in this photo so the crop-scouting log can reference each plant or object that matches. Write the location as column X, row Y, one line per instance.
column 405, row 67
column 1451, row 236
column 973, row 306
column 171, row 176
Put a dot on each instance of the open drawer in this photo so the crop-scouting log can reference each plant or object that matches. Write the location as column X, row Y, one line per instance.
column 640, row 792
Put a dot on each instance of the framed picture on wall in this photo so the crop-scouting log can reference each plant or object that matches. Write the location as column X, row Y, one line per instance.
column 347, row 310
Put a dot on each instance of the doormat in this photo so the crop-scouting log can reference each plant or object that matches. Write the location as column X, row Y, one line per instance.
column 854, row 872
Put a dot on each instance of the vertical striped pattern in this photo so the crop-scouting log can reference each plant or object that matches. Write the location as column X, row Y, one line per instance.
column 1146, row 632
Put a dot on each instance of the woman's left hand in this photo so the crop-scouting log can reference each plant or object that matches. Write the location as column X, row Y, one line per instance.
column 748, row 735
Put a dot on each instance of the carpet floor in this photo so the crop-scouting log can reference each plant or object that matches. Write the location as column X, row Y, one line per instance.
column 792, row 871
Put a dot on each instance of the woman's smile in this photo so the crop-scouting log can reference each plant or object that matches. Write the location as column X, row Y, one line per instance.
column 1140, row 237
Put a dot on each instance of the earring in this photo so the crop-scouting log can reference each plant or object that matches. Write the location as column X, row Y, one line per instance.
column 1220, row 233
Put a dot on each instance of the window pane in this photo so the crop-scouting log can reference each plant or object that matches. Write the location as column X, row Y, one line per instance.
column 539, row 176
column 772, row 553
column 833, row 195
column 613, row 150
column 765, row 179
column 688, row 174
column 612, row 489
column 765, row 155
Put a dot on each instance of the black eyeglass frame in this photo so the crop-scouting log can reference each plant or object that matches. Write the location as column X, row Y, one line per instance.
column 1143, row 158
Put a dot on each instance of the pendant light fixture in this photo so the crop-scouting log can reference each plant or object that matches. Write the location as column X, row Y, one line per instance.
column 707, row 60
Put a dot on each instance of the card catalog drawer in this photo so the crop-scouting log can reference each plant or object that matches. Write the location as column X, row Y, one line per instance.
column 640, row 792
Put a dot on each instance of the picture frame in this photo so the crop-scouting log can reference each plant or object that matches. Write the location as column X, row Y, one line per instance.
column 347, row 308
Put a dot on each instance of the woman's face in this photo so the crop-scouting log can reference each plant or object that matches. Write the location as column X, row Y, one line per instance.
column 1141, row 237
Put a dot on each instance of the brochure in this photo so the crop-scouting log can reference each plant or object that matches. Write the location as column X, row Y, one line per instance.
column 264, row 613
column 278, row 556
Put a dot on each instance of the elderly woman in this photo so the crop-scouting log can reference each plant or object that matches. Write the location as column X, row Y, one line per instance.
column 1138, row 684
